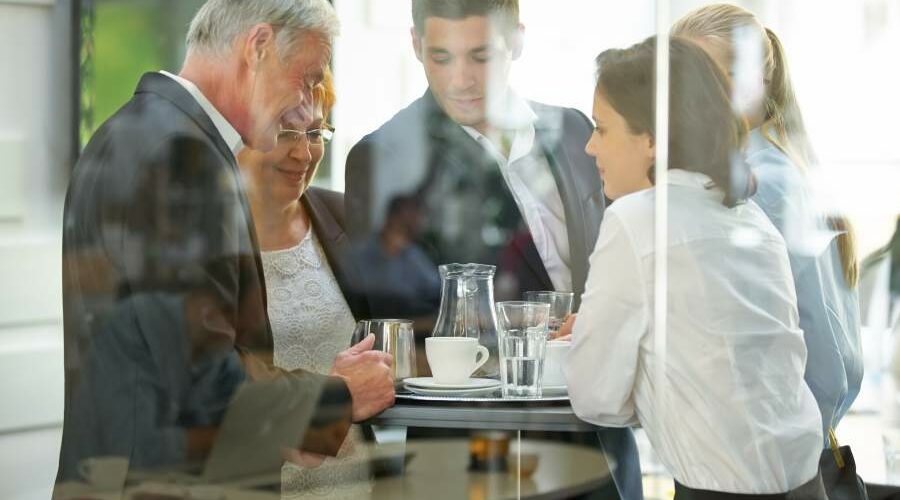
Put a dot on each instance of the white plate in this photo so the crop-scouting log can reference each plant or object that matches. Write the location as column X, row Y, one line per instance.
column 472, row 383
column 451, row 392
column 555, row 390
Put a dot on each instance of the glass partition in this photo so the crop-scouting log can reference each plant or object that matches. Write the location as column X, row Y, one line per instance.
column 710, row 190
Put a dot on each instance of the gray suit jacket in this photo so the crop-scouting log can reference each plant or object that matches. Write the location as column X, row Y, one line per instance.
column 420, row 146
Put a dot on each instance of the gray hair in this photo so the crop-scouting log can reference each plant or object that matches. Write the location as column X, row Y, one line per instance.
column 219, row 22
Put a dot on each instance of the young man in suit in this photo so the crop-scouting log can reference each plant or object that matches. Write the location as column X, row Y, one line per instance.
column 164, row 303
column 502, row 180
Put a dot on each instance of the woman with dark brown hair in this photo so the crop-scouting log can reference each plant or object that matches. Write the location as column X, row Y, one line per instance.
column 731, row 415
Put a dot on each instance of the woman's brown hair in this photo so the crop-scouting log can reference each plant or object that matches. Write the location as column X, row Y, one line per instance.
column 783, row 124
column 705, row 135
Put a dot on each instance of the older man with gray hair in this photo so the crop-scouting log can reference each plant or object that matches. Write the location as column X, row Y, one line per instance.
column 166, row 330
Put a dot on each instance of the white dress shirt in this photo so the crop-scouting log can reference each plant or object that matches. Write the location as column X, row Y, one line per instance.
column 533, row 186
column 231, row 136
column 732, row 412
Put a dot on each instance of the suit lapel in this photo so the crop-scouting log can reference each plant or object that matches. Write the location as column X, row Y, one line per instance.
column 571, row 185
column 172, row 91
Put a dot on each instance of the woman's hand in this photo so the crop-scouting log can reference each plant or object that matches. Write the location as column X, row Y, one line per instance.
column 565, row 331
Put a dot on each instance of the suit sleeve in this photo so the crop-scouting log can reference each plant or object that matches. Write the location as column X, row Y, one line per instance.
column 359, row 190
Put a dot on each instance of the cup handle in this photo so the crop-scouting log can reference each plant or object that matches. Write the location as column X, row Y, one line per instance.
column 84, row 469
column 481, row 357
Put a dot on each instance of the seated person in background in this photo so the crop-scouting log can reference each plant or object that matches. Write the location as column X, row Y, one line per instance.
column 823, row 262
column 399, row 279
column 311, row 309
column 732, row 413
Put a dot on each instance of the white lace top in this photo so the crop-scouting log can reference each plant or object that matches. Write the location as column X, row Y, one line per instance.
column 311, row 323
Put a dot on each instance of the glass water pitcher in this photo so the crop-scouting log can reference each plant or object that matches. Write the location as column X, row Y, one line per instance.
column 467, row 309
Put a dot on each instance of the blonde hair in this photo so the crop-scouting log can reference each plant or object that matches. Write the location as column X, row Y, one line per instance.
column 324, row 93
column 783, row 125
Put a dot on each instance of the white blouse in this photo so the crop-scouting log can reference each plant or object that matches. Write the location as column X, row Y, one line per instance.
column 733, row 413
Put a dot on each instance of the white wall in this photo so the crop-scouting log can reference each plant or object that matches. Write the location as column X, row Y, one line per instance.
column 35, row 129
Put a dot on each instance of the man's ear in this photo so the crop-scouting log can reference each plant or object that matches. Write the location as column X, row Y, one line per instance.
column 651, row 148
column 259, row 44
column 517, row 41
column 416, row 43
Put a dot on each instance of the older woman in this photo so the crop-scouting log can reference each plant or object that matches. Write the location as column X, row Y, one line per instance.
column 310, row 305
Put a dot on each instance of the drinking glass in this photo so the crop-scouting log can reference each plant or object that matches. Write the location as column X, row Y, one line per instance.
column 522, row 332
column 395, row 337
column 560, row 307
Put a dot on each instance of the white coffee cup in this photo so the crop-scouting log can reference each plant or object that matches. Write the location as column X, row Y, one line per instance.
column 454, row 359
column 554, row 361
column 104, row 473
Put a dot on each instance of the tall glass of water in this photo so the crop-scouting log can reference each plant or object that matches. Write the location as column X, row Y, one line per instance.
column 560, row 307
column 522, row 333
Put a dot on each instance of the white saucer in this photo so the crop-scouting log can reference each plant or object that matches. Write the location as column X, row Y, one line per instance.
column 555, row 390
column 472, row 383
column 452, row 392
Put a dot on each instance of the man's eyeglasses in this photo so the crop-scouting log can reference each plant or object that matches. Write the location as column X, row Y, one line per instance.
column 317, row 136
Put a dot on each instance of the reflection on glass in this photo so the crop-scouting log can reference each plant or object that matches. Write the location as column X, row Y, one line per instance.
column 821, row 250
column 174, row 370
column 491, row 177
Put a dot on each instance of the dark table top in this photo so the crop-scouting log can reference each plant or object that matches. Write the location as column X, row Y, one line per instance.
column 556, row 415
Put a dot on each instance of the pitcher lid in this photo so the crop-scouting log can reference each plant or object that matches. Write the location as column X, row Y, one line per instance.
column 467, row 270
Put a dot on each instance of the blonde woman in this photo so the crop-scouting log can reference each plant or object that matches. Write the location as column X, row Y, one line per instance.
column 778, row 151
column 310, row 302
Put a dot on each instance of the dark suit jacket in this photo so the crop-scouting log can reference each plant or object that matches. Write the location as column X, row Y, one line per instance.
column 326, row 212
column 421, row 147
column 164, row 297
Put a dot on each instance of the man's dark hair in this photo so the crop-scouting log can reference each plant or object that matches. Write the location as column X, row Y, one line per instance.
column 505, row 12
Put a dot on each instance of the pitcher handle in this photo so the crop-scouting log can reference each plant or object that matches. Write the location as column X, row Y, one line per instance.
column 481, row 357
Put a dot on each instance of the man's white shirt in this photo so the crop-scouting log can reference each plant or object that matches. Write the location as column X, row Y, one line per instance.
column 528, row 176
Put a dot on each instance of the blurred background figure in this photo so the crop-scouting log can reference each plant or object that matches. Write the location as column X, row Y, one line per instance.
column 880, row 285
column 821, row 248
column 400, row 280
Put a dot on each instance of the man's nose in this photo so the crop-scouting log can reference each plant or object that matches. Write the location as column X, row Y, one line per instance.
column 462, row 76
